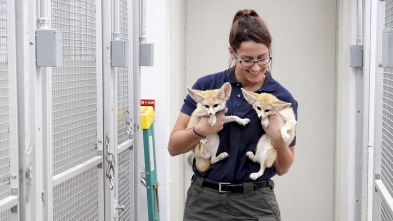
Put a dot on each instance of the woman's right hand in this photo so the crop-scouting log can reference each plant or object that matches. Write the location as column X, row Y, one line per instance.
column 204, row 128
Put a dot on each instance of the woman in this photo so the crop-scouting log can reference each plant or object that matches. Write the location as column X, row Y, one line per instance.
column 243, row 199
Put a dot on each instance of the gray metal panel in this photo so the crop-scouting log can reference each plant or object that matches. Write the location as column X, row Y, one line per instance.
column 4, row 106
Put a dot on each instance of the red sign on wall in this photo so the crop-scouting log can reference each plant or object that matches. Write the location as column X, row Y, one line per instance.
column 148, row 102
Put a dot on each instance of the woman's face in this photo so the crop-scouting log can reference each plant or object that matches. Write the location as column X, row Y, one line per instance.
column 254, row 74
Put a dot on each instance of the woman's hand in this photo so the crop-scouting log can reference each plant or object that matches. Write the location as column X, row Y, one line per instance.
column 274, row 128
column 204, row 128
column 285, row 155
column 183, row 140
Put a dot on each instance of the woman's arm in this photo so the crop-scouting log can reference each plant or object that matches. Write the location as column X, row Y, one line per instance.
column 183, row 140
column 285, row 154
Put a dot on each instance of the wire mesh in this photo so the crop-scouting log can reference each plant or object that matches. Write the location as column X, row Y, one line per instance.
column 389, row 13
column 4, row 106
column 124, row 115
column 124, row 184
column 387, row 132
column 74, row 85
column 77, row 198
column 385, row 215
column 5, row 215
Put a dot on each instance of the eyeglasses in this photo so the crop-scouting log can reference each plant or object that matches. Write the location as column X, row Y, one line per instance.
column 249, row 63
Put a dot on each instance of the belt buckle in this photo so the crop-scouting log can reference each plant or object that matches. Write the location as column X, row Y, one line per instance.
column 222, row 191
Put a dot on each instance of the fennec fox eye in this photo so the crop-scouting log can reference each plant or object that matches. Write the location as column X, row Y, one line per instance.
column 267, row 110
column 216, row 105
column 207, row 106
column 258, row 108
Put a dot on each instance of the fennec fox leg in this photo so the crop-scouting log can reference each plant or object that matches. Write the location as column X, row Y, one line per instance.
column 251, row 155
column 220, row 157
column 284, row 130
column 205, row 154
column 212, row 120
column 255, row 176
column 237, row 119
column 214, row 142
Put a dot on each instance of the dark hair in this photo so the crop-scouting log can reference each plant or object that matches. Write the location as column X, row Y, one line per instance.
column 248, row 26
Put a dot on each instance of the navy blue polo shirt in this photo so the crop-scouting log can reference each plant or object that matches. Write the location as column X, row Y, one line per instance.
column 235, row 139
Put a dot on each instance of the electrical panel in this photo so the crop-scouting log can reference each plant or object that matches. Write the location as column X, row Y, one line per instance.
column 49, row 49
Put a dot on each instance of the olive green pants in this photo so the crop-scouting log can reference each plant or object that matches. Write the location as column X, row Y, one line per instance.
column 205, row 204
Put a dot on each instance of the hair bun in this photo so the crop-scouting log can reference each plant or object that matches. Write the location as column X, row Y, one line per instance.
column 245, row 13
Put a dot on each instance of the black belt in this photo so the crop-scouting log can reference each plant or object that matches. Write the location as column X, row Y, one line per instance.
column 232, row 187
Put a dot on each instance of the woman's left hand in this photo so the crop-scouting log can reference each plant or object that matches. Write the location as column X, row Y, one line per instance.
column 274, row 128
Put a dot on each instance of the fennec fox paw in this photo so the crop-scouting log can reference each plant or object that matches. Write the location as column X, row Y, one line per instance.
column 212, row 121
column 265, row 122
column 203, row 141
column 250, row 155
column 244, row 121
column 223, row 155
column 254, row 176
column 285, row 136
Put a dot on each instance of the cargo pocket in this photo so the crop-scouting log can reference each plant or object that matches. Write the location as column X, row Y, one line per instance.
column 267, row 196
column 192, row 196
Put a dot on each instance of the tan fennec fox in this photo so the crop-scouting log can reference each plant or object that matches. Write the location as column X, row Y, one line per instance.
column 209, row 103
column 266, row 104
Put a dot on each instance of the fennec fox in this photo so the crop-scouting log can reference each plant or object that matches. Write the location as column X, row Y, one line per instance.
column 266, row 104
column 209, row 103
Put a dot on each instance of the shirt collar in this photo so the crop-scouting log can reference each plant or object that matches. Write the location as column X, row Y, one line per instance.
column 268, row 86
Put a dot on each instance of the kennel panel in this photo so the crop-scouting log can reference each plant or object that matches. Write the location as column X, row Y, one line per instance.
column 77, row 113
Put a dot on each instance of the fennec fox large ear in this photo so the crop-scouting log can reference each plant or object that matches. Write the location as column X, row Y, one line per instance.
column 195, row 94
column 225, row 91
column 281, row 105
column 249, row 96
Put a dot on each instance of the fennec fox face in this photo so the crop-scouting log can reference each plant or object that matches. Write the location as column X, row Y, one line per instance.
column 265, row 104
column 210, row 101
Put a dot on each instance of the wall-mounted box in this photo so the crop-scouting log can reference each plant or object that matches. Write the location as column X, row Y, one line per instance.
column 356, row 56
column 119, row 53
column 387, row 49
column 49, row 48
column 146, row 54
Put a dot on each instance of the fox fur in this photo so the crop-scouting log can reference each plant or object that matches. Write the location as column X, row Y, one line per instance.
column 209, row 103
column 267, row 104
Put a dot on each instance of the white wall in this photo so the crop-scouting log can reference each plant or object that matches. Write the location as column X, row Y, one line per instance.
column 154, row 85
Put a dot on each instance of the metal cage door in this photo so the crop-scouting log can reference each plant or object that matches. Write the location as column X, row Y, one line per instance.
column 9, row 187
column 75, row 173
column 383, row 199
column 119, row 114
